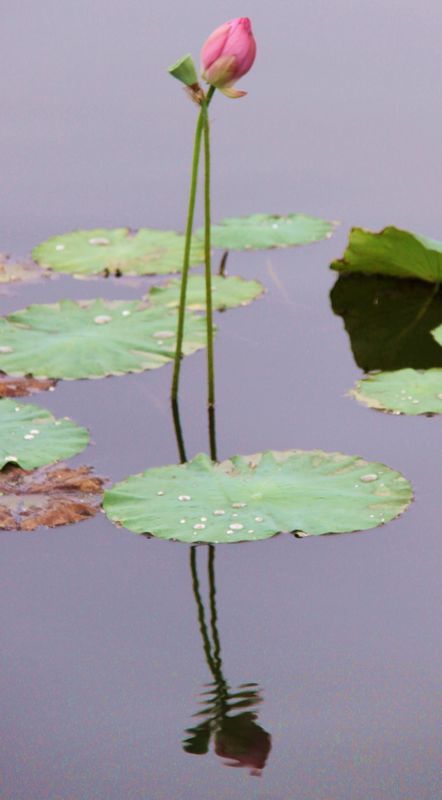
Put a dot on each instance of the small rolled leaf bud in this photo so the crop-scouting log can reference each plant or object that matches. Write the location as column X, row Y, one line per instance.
column 184, row 70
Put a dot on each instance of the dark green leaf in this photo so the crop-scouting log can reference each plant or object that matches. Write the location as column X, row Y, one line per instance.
column 392, row 252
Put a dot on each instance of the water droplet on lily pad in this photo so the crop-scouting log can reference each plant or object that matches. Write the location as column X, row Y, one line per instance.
column 164, row 335
column 99, row 240
column 102, row 319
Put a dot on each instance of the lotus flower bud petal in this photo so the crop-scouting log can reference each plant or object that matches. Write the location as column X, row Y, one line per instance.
column 228, row 54
column 184, row 70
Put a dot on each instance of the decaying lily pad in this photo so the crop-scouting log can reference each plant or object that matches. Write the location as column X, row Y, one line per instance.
column 19, row 271
column 118, row 251
column 254, row 497
column 49, row 496
column 22, row 387
column 404, row 391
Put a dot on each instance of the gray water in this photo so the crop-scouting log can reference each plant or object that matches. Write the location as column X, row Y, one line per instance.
column 102, row 659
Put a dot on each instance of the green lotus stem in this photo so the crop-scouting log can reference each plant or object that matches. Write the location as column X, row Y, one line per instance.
column 178, row 430
column 207, row 262
column 188, row 242
column 186, row 259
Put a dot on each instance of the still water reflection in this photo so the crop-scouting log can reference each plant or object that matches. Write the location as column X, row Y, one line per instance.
column 234, row 732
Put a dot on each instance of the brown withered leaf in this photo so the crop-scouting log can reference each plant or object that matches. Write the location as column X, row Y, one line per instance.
column 17, row 272
column 49, row 496
column 21, row 387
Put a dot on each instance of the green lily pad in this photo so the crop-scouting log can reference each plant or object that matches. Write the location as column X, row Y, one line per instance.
column 74, row 340
column 228, row 292
column 265, row 231
column 254, row 497
column 118, row 251
column 31, row 437
column 392, row 252
column 405, row 391
column 389, row 322
column 437, row 334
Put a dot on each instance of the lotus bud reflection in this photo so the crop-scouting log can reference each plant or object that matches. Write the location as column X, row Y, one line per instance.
column 243, row 742
column 228, row 54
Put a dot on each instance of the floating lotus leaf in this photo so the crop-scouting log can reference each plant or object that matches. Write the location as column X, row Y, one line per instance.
column 21, row 387
column 392, row 252
column 117, row 251
column 19, row 272
column 92, row 339
column 228, row 292
column 405, row 391
column 389, row 322
column 265, row 231
column 48, row 496
column 254, row 497
column 30, row 436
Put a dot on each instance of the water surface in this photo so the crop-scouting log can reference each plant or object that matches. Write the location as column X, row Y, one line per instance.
column 103, row 660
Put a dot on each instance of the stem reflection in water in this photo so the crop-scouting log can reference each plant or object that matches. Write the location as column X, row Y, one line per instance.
column 235, row 734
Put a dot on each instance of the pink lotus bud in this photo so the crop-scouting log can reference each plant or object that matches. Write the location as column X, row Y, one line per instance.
column 228, row 54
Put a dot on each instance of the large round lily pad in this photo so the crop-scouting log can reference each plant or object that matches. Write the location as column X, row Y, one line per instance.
column 228, row 292
column 392, row 252
column 30, row 436
column 92, row 339
column 265, row 231
column 255, row 497
column 117, row 251
column 405, row 391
